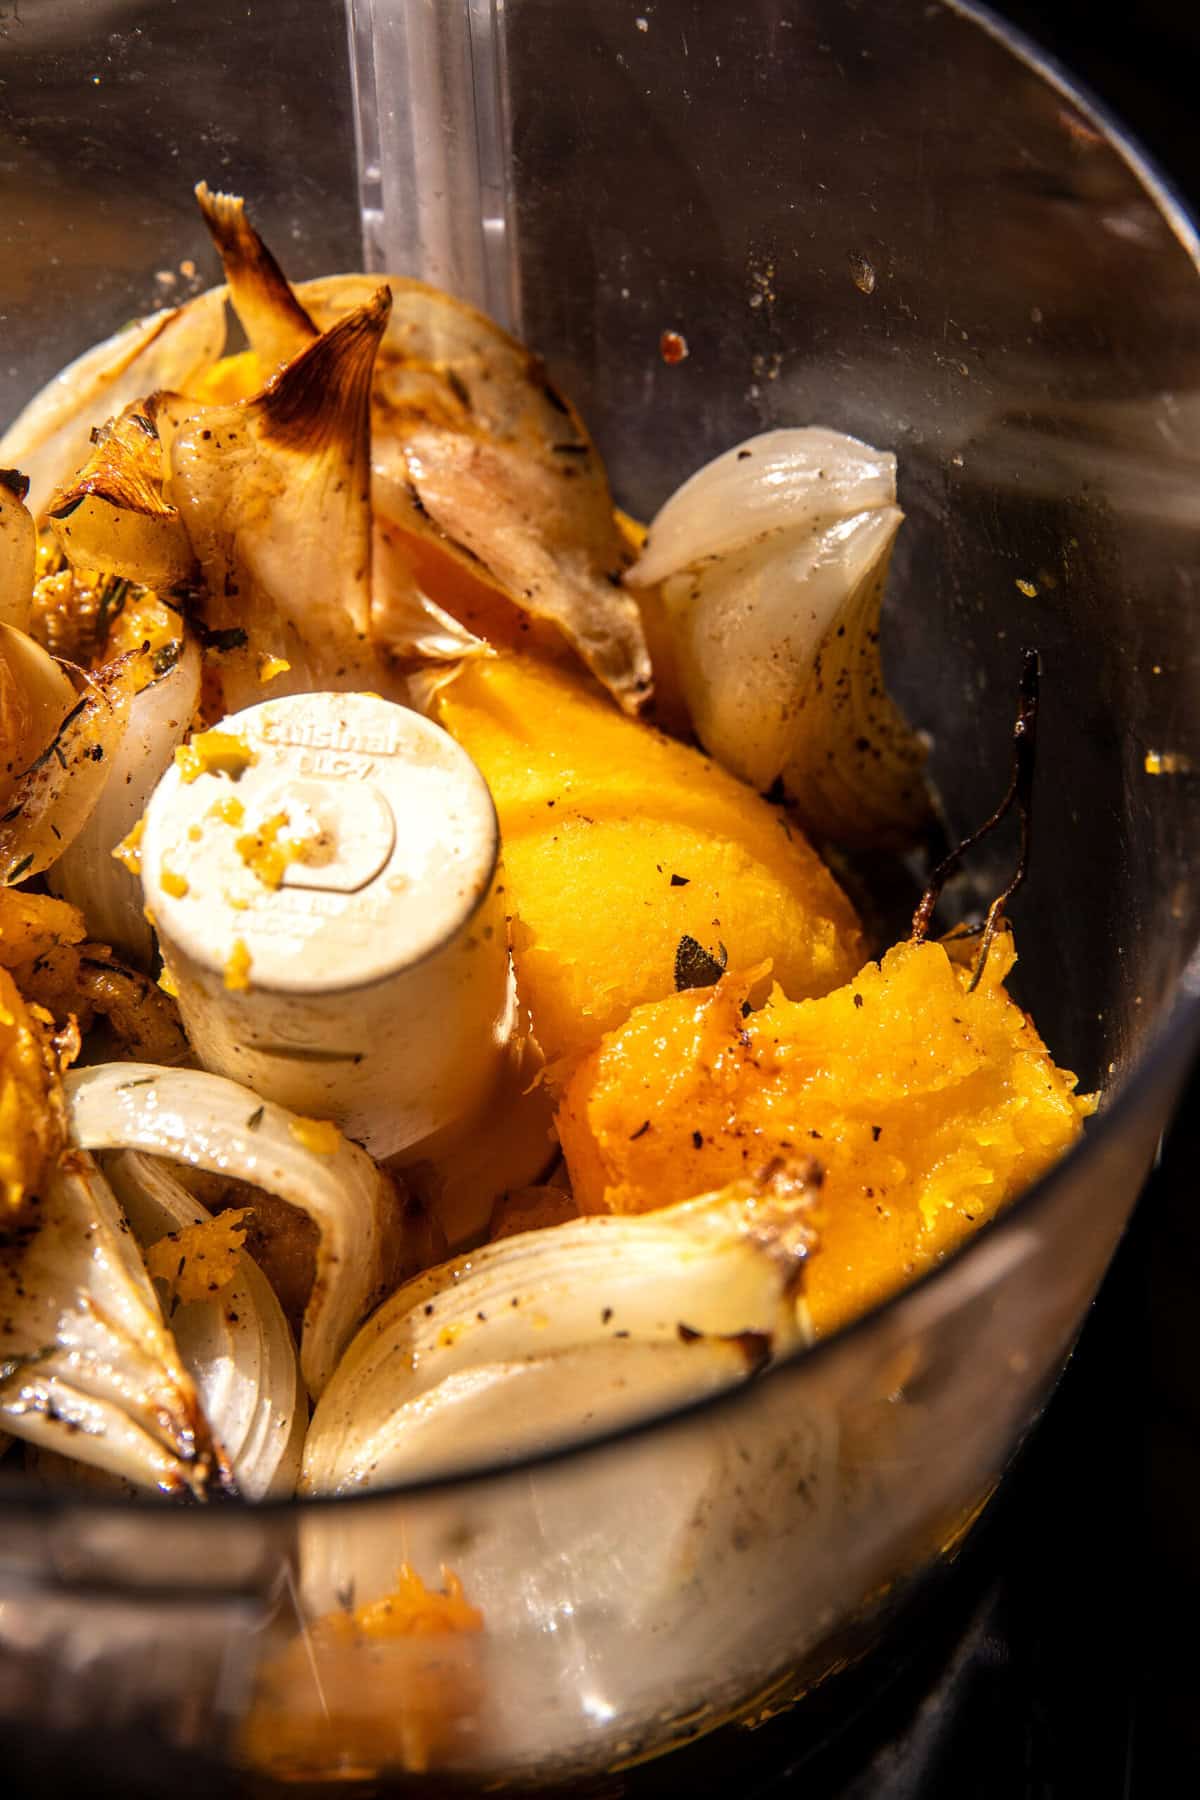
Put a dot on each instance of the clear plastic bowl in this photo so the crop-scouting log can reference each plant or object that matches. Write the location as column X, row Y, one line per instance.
column 887, row 217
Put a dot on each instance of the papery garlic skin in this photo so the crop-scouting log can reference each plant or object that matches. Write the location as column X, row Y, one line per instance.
column 273, row 319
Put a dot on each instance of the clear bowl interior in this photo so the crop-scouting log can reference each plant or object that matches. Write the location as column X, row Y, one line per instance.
column 875, row 215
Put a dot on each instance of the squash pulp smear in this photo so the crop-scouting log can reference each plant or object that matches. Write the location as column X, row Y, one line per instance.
column 417, row 967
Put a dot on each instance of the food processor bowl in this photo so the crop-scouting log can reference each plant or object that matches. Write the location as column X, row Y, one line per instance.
column 885, row 216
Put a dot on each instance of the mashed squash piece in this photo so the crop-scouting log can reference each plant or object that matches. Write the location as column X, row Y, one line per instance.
column 927, row 1107
column 32, row 925
column 233, row 378
column 32, row 1123
column 201, row 1259
column 389, row 1684
column 618, row 841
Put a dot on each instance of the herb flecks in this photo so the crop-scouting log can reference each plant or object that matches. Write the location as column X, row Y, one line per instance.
column 696, row 967
column 230, row 637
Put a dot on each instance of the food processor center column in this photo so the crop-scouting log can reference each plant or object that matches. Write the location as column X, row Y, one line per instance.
column 320, row 871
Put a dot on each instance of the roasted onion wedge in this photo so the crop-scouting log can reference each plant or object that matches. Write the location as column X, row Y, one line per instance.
column 274, row 493
column 214, row 1124
column 88, row 1366
column 475, row 451
column 35, row 698
column 548, row 1335
column 51, row 438
column 106, row 892
column 18, row 550
column 772, row 561
column 235, row 1342
column 113, row 517
column 53, row 799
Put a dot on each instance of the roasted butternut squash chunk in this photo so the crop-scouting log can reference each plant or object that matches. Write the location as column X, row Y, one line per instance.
column 927, row 1107
column 32, row 1118
column 618, row 842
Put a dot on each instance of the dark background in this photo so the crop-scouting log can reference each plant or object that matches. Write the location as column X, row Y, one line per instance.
column 1063, row 1659
column 1088, row 1678
column 1103, row 1548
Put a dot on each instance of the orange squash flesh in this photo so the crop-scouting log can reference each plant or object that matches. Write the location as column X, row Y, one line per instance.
column 618, row 841
column 927, row 1106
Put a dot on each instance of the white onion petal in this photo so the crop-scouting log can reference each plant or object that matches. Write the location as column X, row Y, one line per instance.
column 214, row 1124
column 547, row 1335
column 236, row 1344
column 50, row 438
column 53, row 800
column 88, row 1368
column 35, row 698
column 271, row 316
column 112, row 516
column 275, row 495
column 405, row 622
column 106, row 892
column 772, row 561
column 18, row 551
column 474, row 451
